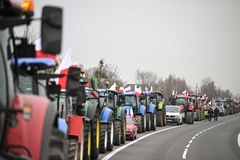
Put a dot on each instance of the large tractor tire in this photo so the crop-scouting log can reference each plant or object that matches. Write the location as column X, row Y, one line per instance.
column 153, row 121
column 144, row 123
column 103, row 138
column 58, row 145
column 164, row 119
column 139, row 123
column 73, row 150
column 189, row 118
column 110, row 130
column 87, row 141
column 198, row 115
column 95, row 137
column 159, row 118
column 148, row 121
column 117, row 132
column 123, row 129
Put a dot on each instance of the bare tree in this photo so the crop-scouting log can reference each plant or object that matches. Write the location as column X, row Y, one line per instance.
column 105, row 72
column 208, row 87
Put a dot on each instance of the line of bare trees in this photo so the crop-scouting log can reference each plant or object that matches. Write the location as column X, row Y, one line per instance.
column 107, row 72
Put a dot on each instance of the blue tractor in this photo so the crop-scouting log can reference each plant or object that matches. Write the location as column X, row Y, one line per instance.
column 151, row 119
column 130, row 101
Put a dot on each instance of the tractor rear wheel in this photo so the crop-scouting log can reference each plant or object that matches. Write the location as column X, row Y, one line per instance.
column 95, row 137
column 144, row 122
column 148, row 122
column 110, row 130
column 73, row 150
column 153, row 121
column 103, row 138
column 87, row 141
column 159, row 118
column 117, row 132
column 58, row 145
column 123, row 129
column 139, row 123
column 189, row 119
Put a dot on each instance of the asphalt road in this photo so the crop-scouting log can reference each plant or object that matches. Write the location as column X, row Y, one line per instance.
column 202, row 141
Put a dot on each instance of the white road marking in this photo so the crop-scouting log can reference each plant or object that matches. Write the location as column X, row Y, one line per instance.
column 239, row 139
column 184, row 155
column 108, row 156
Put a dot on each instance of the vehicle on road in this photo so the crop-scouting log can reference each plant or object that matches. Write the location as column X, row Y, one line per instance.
column 131, row 128
column 174, row 114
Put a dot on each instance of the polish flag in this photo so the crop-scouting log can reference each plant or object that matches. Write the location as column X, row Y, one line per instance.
column 121, row 90
column 127, row 89
column 40, row 54
column 137, row 90
column 173, row 93
column 63, row 69
column 113, row 87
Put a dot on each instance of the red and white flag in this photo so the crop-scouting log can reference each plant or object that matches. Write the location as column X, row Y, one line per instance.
column 40, row 54
column 127, row 89
column 63, row 69
column 113, row 87
column 137, row 90
column 173, row 93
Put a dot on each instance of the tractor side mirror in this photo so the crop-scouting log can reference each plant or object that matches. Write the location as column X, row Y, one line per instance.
column 73, row 79
column 51, row 30
column 94, row 83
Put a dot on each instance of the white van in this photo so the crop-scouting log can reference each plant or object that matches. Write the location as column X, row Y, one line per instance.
column 174, row 114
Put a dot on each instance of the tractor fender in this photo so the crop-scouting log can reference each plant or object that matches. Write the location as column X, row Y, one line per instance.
column 106, row 114
column 142, row 110
column 62, row 125
column 92, row 108
column 75, row 124
column 152, row 108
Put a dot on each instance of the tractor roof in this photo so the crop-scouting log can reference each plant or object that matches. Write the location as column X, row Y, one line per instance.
column 40, row 63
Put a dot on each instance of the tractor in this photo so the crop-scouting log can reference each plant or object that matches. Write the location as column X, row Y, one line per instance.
column 131, row 103
column 21, row 113
column 187, row 108
column 157, row 99
column 199, row 110
column 151, row 118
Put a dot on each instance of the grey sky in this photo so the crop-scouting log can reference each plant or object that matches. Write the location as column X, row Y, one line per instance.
column 193, row 39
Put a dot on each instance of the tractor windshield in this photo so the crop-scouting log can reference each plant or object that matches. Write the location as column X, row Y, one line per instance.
column 181, row 101
column 130, row 100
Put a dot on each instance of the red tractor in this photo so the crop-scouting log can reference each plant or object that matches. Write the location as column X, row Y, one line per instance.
column 186, row 106
column 29, row 127
column 195, row 100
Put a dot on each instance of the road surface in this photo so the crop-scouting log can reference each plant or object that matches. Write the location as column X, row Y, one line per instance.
column 202, row 141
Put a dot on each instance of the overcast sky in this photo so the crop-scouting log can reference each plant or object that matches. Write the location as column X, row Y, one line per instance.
column 192, row 39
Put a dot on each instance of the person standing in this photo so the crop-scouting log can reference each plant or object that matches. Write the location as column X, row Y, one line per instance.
column 216, row 113
column 206, row 114
column 210, row 113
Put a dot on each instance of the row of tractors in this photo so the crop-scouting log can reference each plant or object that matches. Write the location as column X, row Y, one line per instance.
column 195, row 105
column 49, row 115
